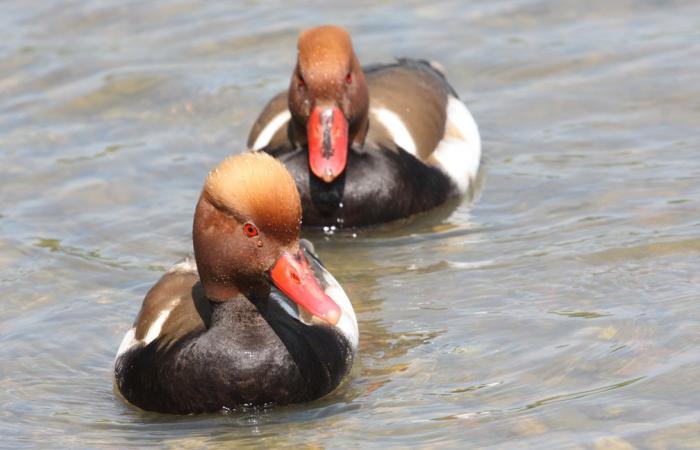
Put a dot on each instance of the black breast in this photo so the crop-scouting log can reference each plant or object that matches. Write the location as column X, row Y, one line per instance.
column 379, row 185
column 248, row 356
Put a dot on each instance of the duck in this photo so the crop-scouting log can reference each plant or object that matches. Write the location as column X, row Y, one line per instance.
column 253, row 318
column 367, row 145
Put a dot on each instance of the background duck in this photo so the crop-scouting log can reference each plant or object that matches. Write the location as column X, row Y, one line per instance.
column 368, row 145
column 255, row 318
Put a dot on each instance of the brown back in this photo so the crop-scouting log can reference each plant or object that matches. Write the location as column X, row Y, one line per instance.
column 418, row 96
column 191, row 312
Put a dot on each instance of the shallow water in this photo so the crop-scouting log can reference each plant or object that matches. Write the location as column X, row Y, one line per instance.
column 558, row 309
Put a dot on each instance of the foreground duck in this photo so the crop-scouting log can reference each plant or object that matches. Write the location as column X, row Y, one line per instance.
column 368, row 145
column 256, row 320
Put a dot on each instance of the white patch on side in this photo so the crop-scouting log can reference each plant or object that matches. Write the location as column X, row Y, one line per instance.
column 154, row 330
column 459, row 151
column 348, row 322
column 396, row 128
column 270, row 129
column 128, row 342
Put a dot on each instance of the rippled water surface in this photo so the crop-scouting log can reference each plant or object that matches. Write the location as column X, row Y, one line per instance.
column 558, row 309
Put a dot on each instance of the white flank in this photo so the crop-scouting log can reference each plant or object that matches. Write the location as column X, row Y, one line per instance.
column 128, row 342
column 270, row 129
column 348, row 322
column 396, row 128
column 459, row 151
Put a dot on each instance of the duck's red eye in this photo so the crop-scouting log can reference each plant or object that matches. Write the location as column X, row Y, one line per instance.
column 348, row 78
column 302, row 83
column 250, row 229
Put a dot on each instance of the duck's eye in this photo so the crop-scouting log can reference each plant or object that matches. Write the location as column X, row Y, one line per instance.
column 348, row 78
column 302, row 83
column 250, row 229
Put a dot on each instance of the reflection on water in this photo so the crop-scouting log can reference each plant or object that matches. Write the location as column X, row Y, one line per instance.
column 556, row 308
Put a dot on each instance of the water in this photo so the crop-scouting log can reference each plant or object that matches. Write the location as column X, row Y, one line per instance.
column 558, row 309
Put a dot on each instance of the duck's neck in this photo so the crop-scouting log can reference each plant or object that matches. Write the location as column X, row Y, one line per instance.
column 228, row 312
column 254, row 290
column 358, row 133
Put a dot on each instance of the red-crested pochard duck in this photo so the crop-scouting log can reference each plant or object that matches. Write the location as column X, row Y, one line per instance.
column 254, row 319
column 369, row 145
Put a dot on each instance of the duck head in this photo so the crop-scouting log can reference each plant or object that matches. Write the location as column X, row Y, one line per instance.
column 246, row 236
column 328, row 99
